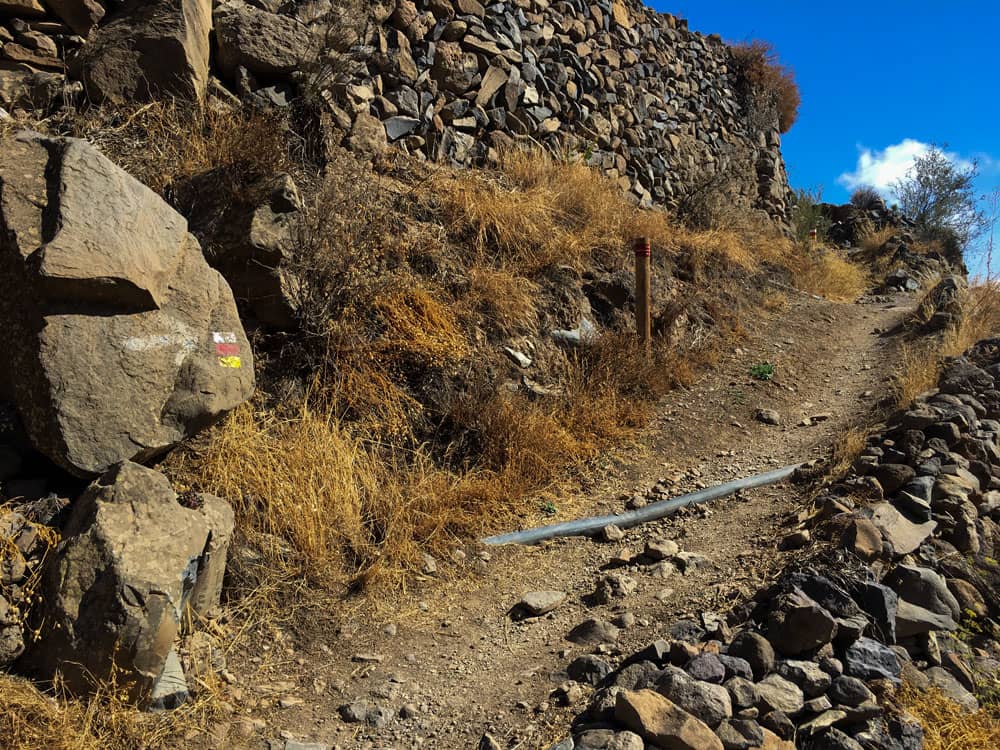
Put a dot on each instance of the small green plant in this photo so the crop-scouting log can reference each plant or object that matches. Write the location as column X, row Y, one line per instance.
column 548, row 508
column 762, row 371
column 807, row 214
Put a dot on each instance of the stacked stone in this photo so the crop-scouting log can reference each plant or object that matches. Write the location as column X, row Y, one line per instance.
column 807, row 670
column 644, row 99
column 636, row 93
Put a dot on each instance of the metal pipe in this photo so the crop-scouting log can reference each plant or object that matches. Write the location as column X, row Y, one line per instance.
column 653, row 512
column 643, row 322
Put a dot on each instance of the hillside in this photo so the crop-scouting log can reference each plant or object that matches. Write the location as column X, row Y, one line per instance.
column 306, row 300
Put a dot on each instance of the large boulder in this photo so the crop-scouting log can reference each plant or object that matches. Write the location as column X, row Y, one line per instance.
column 115, row 591
column 266, row 44
column 149, row 48
column 79, row 15
column 250, row 241
column 120, row 339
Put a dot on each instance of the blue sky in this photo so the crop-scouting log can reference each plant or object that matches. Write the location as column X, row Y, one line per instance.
column 878, row 79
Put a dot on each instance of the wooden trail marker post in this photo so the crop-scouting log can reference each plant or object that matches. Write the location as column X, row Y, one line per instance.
column 643, row 321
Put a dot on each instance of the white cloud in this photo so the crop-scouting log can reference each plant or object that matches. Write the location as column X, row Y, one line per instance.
column 881, row 169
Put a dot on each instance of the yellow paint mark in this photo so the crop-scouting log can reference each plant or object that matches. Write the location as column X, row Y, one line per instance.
column 234, row 362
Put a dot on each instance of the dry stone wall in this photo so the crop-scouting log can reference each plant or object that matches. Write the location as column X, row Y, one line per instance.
column 649, row 102
column 642, row 97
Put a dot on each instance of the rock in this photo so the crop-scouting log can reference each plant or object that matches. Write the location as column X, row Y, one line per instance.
column 834, row 739
column 821, row 723
column 739, row 734
column 893, row 477
column 611, row 533
column 708, row 702
column 968, row 597
column 903, row 535
column 779, row 723
column 11, row 633
column 593, row 632
column 756, row 650
column 849, row 691
column 868, row 659
column 116, row 590
column 252, row 242
column 538, row 603
column 807, row 675
column 797, row 624
column 148, row 49
column 79, row 15
column 924, row 588
column 588, row 669
column 124, row 340
column 171, row 688
column 775, row 693
column 639, row 675
column 768, row 416
column 879, row 603
column 661, row 723
column 913, row 620
column 795, row 540
column 218, row 516
column 22, row 8
column 266, row 44
column 606, row 739
column 944, row 681
column 615, row 586
column 661, row 549
column 735, row 666
column 862, row 538
column 742, row 692
column 706, row 667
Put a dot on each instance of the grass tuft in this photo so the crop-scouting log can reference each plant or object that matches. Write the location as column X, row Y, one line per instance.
column 947, row 726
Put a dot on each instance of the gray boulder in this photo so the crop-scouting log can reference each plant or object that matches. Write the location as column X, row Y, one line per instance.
column 149, row 48
column 121, row 341
column 264, row 43
column 708, row 702
column 797, row 624
column 116, row 589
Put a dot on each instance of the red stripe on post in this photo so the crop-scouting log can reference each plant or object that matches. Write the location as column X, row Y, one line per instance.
column 643, row 248
column 227, row 350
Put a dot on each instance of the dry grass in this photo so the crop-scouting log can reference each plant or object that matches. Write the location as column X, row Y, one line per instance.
column 163, row 143
column 829, row 274
column 31, row 719
column 920, row 364
column 770, row 83
column 537, row 211
column 873, row 240
column 507, row 301
column 947, row 726
column 846, row 449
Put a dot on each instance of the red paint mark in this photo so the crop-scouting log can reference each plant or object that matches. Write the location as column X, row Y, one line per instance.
column 227, row 350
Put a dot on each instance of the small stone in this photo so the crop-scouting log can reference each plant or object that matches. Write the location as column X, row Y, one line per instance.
column 707, row 668
column 775, row 693
column 661, row 549
column 795, row 540
column 756, row 650
column 593, row 632
column 588, row 669
column 768, row 416
column 612, row 533
column 538, row 603
column 850, row 691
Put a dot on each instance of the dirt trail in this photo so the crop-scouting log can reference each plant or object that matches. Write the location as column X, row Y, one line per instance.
column 455, row 658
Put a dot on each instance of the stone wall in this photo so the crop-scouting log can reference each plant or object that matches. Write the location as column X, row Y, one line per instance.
column 640, row 96
column 645, row 99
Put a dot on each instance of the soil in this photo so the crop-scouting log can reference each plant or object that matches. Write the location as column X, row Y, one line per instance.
column 450, row 652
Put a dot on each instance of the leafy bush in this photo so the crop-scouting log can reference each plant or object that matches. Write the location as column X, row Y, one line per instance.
column 765, row 83
column 762, row 371
column 939, row 195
